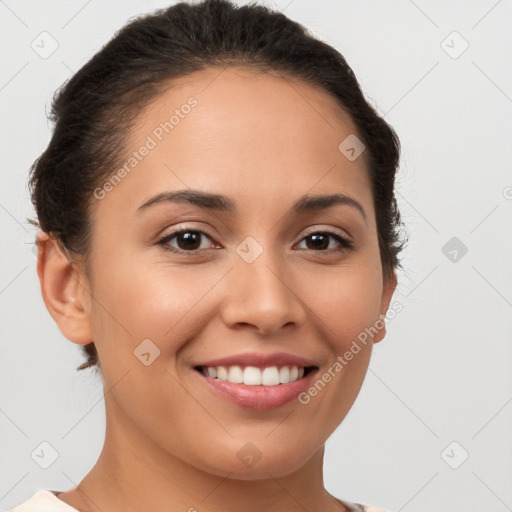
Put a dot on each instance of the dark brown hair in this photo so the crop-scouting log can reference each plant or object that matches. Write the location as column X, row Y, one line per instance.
column 94, row 112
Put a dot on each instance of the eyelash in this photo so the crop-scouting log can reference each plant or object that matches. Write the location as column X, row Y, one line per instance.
column 346, row 243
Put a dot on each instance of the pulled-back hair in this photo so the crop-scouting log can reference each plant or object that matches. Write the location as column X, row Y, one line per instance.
column 94, row 112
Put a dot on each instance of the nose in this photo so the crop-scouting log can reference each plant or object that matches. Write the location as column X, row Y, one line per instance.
column 261, row 295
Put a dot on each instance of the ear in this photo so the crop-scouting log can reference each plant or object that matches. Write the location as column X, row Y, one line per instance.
column 64, row 289
column 388, row 289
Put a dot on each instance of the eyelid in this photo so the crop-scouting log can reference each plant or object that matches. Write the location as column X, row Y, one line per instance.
column 164, row 239
column 314, row 228
column 330, row 229
column 347, row 241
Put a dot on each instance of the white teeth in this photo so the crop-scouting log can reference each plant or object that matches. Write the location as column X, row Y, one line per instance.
column 235, row 375
column 253, row 376
column 284, row 375
column 270, row 376
column 222, row 373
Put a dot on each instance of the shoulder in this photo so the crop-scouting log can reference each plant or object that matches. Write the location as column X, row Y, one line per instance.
column 359, row 507
column 43, row 501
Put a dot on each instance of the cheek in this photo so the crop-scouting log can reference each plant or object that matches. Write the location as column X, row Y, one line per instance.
column 135, row 300
column 345, row 301
column 345, row 316
column 172, row 304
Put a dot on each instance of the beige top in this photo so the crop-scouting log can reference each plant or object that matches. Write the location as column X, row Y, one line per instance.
column 46, row 501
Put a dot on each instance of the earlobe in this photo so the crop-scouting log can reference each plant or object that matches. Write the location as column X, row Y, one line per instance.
column 64, row 290
column 380, row 325
column 387, row 294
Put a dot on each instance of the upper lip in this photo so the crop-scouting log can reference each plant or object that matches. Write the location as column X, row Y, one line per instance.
column 259, row 360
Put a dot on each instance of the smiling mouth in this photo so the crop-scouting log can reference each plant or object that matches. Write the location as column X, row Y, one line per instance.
column 255, row 376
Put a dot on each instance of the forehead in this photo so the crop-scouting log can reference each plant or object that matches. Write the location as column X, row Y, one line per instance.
column 242, row 132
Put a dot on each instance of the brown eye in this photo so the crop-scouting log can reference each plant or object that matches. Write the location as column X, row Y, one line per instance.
column 190, row 240
column 319, row 241
column 187, row 240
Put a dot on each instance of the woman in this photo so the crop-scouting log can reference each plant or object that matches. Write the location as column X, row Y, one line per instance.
column 226, row 364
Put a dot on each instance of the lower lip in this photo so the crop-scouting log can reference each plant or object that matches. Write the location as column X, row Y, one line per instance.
column 260, row 398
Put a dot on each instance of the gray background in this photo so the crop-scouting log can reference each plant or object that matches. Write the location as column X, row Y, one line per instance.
column 443, row 373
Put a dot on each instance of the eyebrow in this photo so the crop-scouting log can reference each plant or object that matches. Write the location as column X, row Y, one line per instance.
column 222, row 203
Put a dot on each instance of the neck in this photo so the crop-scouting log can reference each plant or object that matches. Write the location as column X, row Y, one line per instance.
column 133, row 474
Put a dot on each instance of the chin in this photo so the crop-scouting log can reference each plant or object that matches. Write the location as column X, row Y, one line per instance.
column 249, row 463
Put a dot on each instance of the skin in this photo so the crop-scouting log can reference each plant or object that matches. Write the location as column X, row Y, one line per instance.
column 263, row 140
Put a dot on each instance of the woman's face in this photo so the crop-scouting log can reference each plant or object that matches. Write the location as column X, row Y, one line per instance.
column 264, row 279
